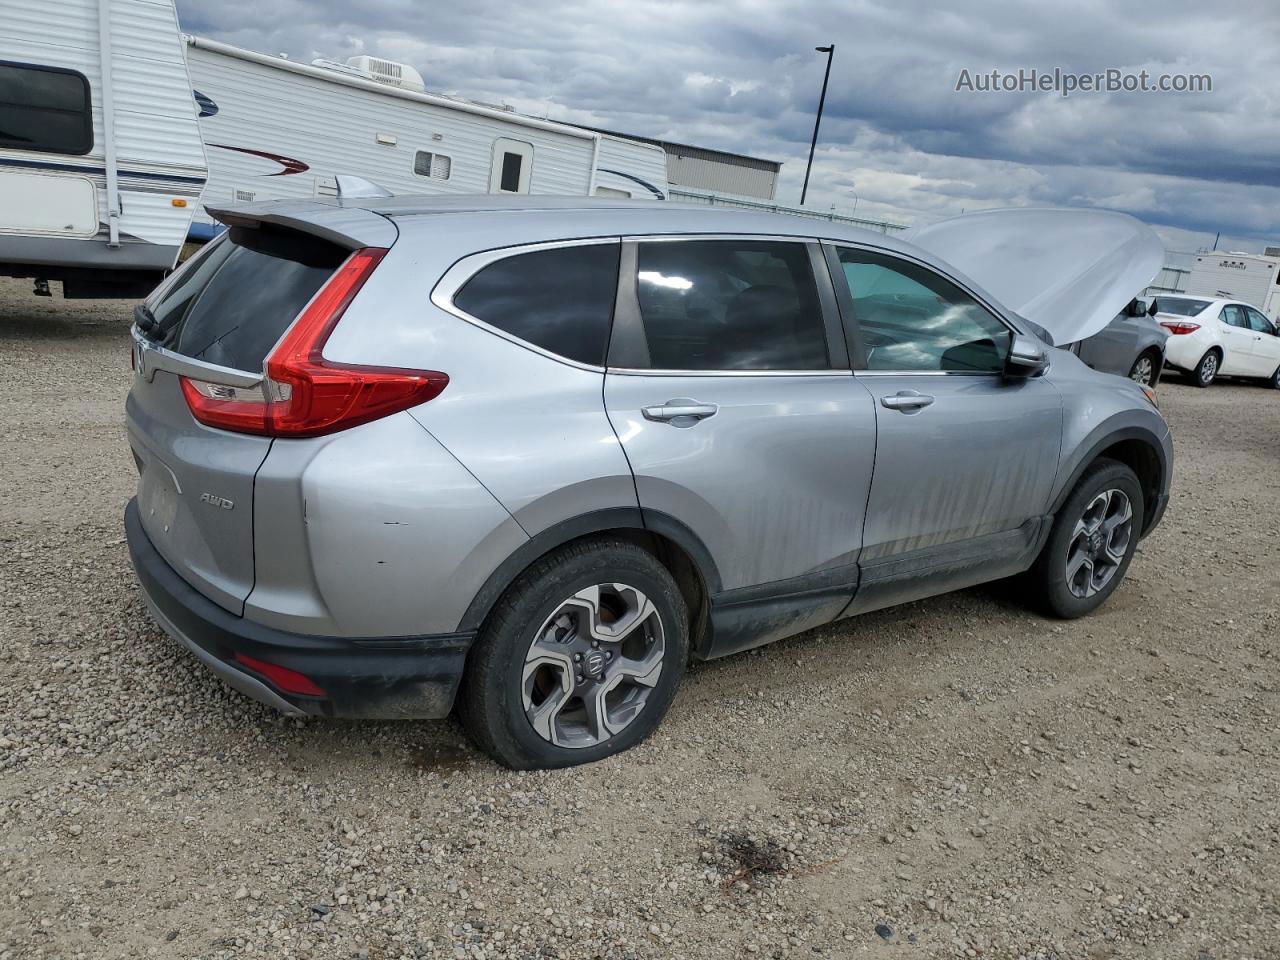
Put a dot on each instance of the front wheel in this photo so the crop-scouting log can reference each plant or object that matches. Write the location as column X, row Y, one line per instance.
column 1092, row 542
column 1207, row 369
column 579, row 660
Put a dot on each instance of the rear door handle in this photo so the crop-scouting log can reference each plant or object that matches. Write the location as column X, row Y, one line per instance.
column 680, row 412
column 908, row 401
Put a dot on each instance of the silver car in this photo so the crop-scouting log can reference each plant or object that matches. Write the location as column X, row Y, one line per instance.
column 1131, row 345
column 526, row 457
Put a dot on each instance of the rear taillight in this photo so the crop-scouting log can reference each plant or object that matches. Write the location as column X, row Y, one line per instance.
column 1179, row 326
column 305, row 395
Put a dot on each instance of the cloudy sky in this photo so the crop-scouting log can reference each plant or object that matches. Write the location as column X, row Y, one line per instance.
column 897, row 138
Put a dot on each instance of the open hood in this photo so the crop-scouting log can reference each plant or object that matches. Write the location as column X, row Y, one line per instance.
column 1068, row 271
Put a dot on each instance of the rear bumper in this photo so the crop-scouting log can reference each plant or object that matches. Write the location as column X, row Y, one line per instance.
column 384, row 678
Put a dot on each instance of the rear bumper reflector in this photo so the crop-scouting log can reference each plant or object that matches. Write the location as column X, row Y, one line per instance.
column 376, row 677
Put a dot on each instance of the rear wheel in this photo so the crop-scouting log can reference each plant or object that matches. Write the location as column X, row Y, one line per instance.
column 1275, row 379
column 1092, row 542
column 1207, row 369
column 1143, row 370
column 579, row 660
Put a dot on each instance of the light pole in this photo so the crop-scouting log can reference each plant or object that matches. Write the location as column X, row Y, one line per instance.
column 830, row 52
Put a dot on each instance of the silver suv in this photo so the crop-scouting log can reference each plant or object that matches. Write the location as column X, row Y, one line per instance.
column 527, row 456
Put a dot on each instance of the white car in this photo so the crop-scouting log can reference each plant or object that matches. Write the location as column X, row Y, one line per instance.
column 1214, row 337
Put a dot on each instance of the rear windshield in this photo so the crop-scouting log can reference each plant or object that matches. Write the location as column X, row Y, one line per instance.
column 231, row 305
column 1180, row 306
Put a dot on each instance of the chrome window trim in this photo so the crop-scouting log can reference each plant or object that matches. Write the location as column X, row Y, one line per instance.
column 766, row 237
column 148, row 358
column 648, row 372
column 456, row 277
column 927, row 373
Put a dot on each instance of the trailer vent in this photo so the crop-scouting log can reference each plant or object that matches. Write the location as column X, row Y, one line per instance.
column 434, row 165
column 390, row 72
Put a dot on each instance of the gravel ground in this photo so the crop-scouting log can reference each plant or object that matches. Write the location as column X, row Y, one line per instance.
column 957, row 777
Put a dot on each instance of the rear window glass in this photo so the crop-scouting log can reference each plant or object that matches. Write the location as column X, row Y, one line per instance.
column 559, row 299
column 1180, row 306
column 233, row 304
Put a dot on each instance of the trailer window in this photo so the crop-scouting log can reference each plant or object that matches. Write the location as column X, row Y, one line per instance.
column 510, row 173
column 44, row 109
column 434, row 165
column 512, row 166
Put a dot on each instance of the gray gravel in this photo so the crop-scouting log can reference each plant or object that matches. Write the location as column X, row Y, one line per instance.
column 955, row 778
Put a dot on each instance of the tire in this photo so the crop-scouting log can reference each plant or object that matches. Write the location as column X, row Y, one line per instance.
column 564, row 601
column 1207, row 369
column 1145, row 367
column 1068, row 590
column 1274, row 382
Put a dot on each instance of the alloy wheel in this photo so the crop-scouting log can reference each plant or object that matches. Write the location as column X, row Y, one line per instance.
column 1099, row 542
column 592, row 665
column 1143, row 371
column 1208, row 368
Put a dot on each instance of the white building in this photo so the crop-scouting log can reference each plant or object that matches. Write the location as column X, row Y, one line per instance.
column 714, row 171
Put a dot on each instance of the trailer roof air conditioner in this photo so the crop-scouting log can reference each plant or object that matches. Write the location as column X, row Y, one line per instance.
column 390, row 72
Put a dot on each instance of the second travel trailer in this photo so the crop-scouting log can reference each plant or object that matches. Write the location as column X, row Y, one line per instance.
column 1248, row 277
column 101, row 162
column 277, row 129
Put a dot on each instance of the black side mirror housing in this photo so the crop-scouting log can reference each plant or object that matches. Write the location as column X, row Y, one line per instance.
column 1138, row 308
column 1026, row 358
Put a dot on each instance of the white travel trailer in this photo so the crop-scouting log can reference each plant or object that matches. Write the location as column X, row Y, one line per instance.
column 101, row 162
column 276, row 129
column 1249, row 277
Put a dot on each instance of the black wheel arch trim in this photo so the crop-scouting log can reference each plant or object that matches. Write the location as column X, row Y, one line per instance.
column 1110, row 438
column 584, row 525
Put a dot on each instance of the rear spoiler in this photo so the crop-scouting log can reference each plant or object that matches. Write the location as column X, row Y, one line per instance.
column 349, row 227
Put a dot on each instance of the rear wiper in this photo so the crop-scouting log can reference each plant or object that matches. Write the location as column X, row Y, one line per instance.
column 146, row 322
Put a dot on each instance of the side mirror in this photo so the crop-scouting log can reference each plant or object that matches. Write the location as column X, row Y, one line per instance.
column 1137, row 308
column 1026, row 358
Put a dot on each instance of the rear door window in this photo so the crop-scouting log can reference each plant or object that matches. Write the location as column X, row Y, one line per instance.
column 560, row 299
column 44, row 109
column 233, row 304
column 730, row 305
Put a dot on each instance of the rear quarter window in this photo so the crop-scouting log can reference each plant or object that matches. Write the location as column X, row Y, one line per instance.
column 560, row 299
column 233, row 304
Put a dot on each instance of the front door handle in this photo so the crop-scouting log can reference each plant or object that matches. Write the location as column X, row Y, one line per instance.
column 680, row 412
column 908, row 401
